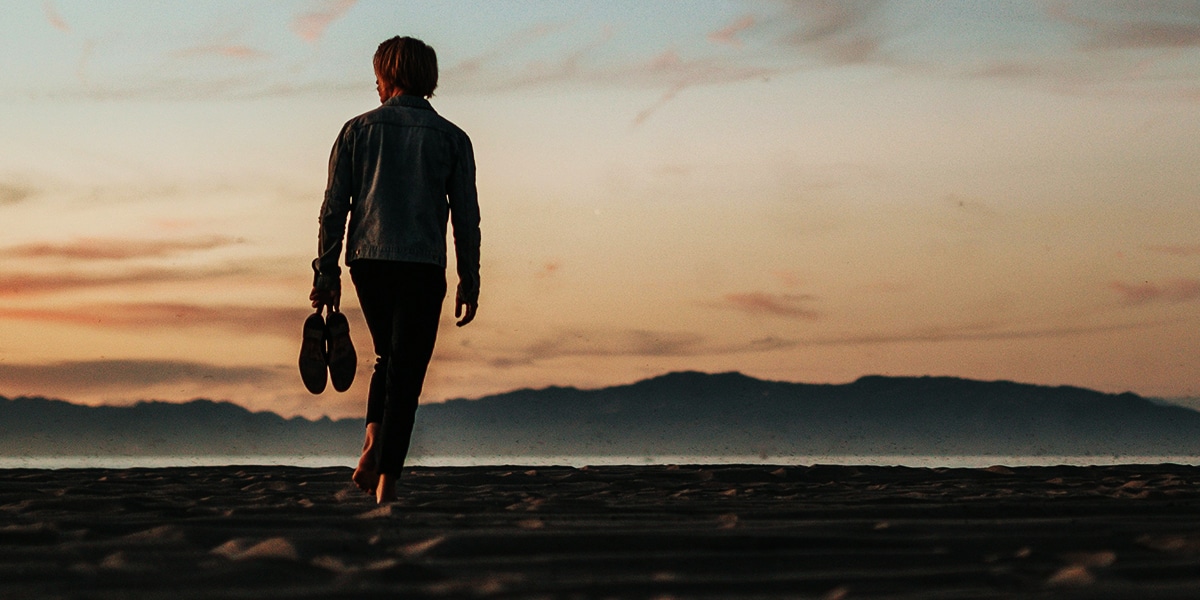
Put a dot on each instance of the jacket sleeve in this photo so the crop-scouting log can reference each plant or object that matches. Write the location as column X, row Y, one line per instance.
column 334, row 211
column 464, row 215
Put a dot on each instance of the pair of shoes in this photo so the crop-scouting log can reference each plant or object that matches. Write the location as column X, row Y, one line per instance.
column 342, row 359
column 327, row 353
column 313, row 357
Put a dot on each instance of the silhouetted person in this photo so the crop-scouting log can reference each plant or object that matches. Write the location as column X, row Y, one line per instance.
column 399, row 172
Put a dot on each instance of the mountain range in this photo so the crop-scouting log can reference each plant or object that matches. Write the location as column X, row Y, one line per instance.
column 682, row 413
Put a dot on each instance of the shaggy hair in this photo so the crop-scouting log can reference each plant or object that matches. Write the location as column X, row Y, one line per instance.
column 409, row 64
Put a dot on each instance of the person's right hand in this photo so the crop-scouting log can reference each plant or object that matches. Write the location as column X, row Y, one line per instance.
column 331, row 298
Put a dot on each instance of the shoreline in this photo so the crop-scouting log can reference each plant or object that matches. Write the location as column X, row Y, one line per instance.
column 328, row 461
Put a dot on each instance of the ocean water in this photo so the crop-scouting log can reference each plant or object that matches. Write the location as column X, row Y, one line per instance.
column 127, row 462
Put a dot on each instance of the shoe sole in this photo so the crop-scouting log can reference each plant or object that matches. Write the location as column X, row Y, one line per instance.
column 313, row 356
column 343, row 360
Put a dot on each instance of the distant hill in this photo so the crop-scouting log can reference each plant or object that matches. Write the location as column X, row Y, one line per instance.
column 41, row 427
column 686, row 413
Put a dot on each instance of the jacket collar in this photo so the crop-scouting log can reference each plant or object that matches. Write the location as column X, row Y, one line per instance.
column 409, row 101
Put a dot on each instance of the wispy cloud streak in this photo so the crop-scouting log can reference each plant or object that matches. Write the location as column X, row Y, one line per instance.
column 124, row 374
column 1130, row 26
column 837, row 32
column 115, row 248
column 793, row 306
column 26, row 284
column 972, row 334
column 311, row 26
column 13, row 194
column 267, row 320
column 728, row 34
column 617, row 343
column 677, row 344
column 54, row 18
column 1174, row 290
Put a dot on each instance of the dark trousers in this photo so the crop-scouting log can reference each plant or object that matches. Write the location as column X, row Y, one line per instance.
column 402, row 304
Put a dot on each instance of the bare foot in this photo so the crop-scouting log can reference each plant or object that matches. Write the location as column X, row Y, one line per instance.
column 386, row 491
column 366, row 475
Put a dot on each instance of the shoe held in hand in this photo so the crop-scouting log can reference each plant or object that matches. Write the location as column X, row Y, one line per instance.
column 343, row 361
column 313, row 355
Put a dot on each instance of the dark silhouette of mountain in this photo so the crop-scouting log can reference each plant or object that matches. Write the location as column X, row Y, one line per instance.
column 41, row 427
column 690, row 413
column 686, row 413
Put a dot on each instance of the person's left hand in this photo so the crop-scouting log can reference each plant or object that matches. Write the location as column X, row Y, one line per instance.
column 470, row 307
column 331, row 298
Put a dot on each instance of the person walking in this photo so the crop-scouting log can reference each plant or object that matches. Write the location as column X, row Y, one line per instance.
column 399, row 173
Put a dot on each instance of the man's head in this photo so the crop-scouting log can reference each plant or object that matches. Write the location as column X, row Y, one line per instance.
column 408, row 65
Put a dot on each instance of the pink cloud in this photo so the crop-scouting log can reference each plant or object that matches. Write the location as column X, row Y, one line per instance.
column 1174, row 290
column 728, row 33
column 783, row 305
column 115, row 249
column 311, row 26
column 268, row 320
column 17, row 284
column 54, row 18
column 24, row 283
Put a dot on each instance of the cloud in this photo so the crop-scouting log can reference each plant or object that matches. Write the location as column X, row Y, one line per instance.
column 269, row 320
column 970, row 334
column 644, row 343
column 838, row 32
column 1176, row 249
column 1133, row 26
column 728, row 34
column 1147, row 35
column 782, row 305
column 12, row 193
column 666, row 69
column 311, row 26
column 832, row 32
column 122, row 374
column 1119, row 49
column 16, row 284
column 115, row 248
column 680, row 74
column 54, row 18
column 619, row 343
column 1174, row 290
column 603, row 343
column 667, row 96
column 81, row 66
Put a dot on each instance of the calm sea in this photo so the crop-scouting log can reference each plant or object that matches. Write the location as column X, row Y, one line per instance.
column 126, row 462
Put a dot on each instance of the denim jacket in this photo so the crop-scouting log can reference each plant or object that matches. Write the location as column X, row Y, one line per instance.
column 400, row 172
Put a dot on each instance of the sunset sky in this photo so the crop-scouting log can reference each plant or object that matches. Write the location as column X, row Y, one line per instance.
column 801, row 191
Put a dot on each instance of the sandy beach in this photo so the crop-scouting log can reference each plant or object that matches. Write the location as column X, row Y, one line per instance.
column 638, row 531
